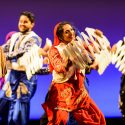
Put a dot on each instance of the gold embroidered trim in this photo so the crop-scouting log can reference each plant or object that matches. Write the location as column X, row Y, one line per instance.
column 7, row 88
column 64, row 109
column 67, row 93
column 82, row 95
column 22, row 89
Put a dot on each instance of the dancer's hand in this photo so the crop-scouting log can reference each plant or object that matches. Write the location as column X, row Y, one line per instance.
column 114, row 48
column 99, row 32
column 94, row 65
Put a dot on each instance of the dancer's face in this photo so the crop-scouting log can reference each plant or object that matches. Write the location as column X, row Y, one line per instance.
column 24, row 24
column 68, row 33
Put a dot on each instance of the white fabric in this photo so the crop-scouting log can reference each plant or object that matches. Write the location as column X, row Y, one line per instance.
column 99, row 52
column 31, row 61
column 63, row 77
column 118, row 58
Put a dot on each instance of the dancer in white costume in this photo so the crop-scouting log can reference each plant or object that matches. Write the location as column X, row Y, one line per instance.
column 20, row 85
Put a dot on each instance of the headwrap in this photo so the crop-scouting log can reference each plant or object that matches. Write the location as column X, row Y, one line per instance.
column 56, row 42
column 56, row 39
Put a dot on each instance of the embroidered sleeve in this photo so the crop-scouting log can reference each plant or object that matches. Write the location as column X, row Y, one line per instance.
column 56, row 61
column 21, row 50
column 30, row 43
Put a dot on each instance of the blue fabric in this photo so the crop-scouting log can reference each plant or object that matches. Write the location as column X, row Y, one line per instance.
column 15, row 78
column 14, row 109
column 71, row 120
column 18, row 108
column 18, row 113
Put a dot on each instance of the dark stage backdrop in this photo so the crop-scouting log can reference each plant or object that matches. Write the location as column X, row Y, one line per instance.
column 106, row 15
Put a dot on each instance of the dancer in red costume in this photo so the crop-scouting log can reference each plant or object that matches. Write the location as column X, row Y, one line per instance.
column 67, row 92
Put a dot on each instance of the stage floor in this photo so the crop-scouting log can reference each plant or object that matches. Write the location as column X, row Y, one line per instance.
column 109, row 121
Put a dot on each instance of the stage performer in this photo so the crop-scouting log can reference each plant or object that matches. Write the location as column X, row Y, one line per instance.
column 67, row 93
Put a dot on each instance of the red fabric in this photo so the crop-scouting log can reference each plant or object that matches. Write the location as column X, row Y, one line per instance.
column 70, row 96
column 90, row 116
column 85, row 111
column 1, row 82
column 86, row 47
column 56, row 61
column 56, row 42
column 61, row 116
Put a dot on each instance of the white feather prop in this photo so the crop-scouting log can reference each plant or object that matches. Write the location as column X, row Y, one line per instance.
column 31, row 61
column 99, row 51
column 91, row 47
column 118, row 57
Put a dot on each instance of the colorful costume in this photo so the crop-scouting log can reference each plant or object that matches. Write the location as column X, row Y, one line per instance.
column 67, row 92
column 17, row 91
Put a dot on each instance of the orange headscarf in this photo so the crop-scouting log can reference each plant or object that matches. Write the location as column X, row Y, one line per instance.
column 56, row 42
column 56, row 39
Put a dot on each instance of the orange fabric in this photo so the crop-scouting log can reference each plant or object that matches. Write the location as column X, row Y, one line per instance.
column 83, row 107
column 56, row 61
column 61, row 116
column 86, row 113
column 71, row 96
column 2, row 63
column 56, row 42
column 90, row 116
